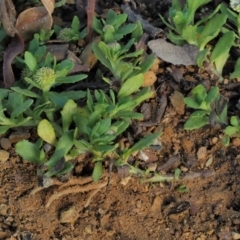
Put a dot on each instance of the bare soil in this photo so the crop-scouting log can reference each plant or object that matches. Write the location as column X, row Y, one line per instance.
column 203, row 206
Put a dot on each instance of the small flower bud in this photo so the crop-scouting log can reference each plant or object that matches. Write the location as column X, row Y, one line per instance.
column 235, row 5
column 65, row 34
column 45, row 77
column 115, row 46
column 108, row 28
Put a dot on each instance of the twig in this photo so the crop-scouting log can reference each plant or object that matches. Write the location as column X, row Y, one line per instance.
column 166, row 166
column 90, row 16
column 147, row 27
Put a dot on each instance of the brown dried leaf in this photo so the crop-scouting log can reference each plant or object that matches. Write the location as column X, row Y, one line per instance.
column 8, row 16
column 174, row 54
column 15, row 48
column 34, row 19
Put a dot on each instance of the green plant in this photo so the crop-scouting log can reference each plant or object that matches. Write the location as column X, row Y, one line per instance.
column 183, row 29
column 113, row 56
column 210, row 107
column 232, row 130
column 111, row 29
column 102, row 120
column 73, row 33
column 60, row 136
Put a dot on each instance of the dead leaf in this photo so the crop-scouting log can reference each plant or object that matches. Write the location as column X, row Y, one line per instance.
column 177, row 100
column 172, row 53
column 34, row 19
column 15, row 48
column 8, row 16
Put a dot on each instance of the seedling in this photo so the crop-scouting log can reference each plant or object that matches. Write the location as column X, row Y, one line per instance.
column 113, row 57
column 73, row 33
column 232, row 130
column 111, row 29
column 102, row 121
column 59, row 136
column 210, row 108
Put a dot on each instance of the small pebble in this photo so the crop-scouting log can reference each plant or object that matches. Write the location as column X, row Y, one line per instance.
column 209, row 162
column 4, row 156
column 214, row 140
column 235, row 235
column 5, row 143
column 69, row 216
column 18, row 136
column 3, row 209
column 3, row 235
column 89, row 229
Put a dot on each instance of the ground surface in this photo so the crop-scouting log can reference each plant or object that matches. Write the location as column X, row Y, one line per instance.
column 120, row 207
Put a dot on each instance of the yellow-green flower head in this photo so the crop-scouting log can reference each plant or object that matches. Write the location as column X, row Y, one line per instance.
column 109, row 28
column 115, row 46
column 45, row 77
column 235, row 5
column 65, row 34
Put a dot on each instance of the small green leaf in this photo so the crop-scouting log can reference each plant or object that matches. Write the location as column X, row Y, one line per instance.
column 25, row 92
column 236, row 72
column 97, row 171
column 46, row 132
column 230, row 130
column 225, row 140
column 131, row 85
column 71, row 79
column 212, row 95
column 69, row 110
column 28, row 151
column 143, row 143
column 22, row 108
column 196, row 120
column 66, row 142
column 30, row 61
column 199, row 93
column 190, row 102
column 75, row 24
column 235, row 121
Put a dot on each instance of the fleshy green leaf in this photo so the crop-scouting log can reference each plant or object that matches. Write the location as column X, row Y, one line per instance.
column 69, row 110
column 97, row 171
column 46, row 132
column 28, row 151
column 196, row 120
column 131, row 85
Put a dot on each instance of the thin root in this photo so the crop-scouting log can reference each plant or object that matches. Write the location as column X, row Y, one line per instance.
column 75, row 189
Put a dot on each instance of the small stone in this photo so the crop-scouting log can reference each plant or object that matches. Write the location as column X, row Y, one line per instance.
column 235, row 235
column 202, row 153
column 47, row 147
column 209, row 162
column 89, row 229
column 157, row 204
column 139, row 203
column 5, row 143
column 214, row 140
column 69, row 216
column 4, row 156
column 3, row 235
column 18, row 136
column 3, row 209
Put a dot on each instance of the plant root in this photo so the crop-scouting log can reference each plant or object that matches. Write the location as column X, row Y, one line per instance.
column 76, row 189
